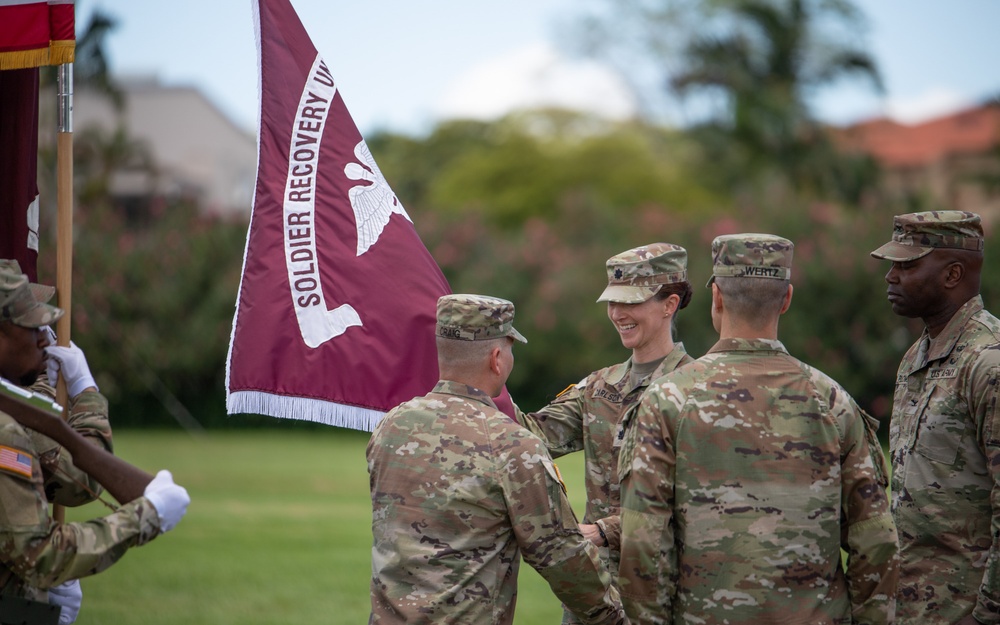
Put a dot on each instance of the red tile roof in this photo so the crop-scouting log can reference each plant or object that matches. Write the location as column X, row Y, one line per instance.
column 972, row 131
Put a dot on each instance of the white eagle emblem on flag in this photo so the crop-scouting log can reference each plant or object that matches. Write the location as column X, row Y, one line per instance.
column 373, row 203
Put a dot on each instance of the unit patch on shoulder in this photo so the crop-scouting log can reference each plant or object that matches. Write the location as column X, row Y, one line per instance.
column 566, row 390
column 15, row 461
column 553, row 471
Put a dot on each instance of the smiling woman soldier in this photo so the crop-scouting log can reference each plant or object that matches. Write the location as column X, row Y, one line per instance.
column 647, row 285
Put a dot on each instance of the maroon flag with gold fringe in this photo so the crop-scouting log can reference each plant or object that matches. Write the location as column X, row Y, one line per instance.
column 36, row 33
column 335, row 313
column 32, row 34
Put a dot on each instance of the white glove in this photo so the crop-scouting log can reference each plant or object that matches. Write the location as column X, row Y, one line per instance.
column 68, row 596
column 48, row 334
column 169, row 499
column 73, row 365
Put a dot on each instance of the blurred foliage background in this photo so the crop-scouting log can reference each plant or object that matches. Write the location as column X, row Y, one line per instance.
column 529, row 207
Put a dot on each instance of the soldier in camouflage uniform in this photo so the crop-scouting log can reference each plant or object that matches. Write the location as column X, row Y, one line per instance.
column 65, row 484
column 646, row 287
column 746, row 472
column 944, row 436
column 460, row 493
column 36, row 553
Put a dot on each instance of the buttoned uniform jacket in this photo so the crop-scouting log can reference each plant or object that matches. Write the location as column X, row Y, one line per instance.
column 944, row 441
column 588, row 417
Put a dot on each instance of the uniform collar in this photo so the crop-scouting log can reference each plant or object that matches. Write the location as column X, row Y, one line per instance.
column 748, row 345
column 450, row 387
column 668, row 364
column 943, row 343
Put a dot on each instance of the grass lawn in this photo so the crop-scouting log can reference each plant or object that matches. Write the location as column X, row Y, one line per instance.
column 278, row 532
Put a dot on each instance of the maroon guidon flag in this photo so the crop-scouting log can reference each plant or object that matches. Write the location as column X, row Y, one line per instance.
column 335, row 313
column 33, row 33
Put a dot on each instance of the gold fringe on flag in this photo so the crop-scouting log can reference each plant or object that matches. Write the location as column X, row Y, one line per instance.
column 23, row 59
column 57, row 53
column 62, row 51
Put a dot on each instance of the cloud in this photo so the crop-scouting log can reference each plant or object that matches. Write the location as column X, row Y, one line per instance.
column 531, row 77
column 928, row 104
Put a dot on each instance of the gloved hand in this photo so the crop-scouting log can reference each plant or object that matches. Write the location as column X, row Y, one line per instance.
column 68, row 596
column 73, row 365
column 169, row 499
column 49, row 334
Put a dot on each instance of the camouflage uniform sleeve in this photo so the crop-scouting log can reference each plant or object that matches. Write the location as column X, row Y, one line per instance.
column 984, row 397
column 612, row 528
column 65, row 484
column 559, row 424
column 44, row 553
column 874, row 446
column 65, row 551
column 647, row 574
column 549, row 538
column 869, row 531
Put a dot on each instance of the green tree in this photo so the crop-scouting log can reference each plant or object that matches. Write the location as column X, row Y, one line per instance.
column 768, row 59
column 90, row 66
column 525, row 165
column 754, row 67
column 530, row 207
column 153, row 307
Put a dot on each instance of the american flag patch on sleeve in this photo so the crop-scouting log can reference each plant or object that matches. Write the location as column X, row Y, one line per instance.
column 15, row 461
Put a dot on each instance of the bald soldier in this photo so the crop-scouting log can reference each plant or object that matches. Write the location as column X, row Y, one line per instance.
column 460, row 492
column 944, row 436
column 746, row 472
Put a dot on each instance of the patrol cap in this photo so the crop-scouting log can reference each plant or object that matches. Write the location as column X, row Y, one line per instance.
column 751, row 255
column 467, row 317
column 636, row 275
column 41, row 292
column 20, row 306
column 915, row 235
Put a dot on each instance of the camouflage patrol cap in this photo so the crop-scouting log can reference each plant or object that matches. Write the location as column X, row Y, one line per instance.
column 637, row 274
column 20, row 306
column 467, row 317
column 915, row 235
column 751, row 255
column 41, row 292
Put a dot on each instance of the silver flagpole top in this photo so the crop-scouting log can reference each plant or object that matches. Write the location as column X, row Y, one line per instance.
column 66, row 97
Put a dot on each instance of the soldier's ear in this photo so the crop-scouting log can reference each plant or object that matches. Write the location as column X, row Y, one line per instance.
column 788, row 301
column 671, row 304
column 495, row 356
column 953, row 274
column 717, row 303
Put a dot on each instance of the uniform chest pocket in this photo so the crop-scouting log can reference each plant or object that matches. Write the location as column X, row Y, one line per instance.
column 941, row 426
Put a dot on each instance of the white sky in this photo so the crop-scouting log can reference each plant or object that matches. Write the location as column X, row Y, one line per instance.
column 403, row 64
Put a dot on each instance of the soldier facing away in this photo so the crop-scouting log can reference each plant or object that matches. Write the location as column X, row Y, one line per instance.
column 460, row 493
column 944, row 436
column 746, row 472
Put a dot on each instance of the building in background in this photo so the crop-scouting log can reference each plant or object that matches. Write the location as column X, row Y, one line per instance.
column 194, row 149
column 950, row 162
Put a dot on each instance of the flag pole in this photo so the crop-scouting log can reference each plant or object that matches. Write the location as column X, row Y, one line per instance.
column 64, row 227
